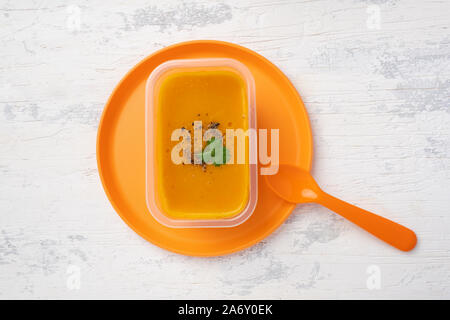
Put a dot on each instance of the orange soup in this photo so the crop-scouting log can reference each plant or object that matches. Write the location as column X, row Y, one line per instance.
column 218, row 98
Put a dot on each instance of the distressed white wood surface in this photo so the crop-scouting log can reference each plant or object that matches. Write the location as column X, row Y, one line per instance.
column 378, row 99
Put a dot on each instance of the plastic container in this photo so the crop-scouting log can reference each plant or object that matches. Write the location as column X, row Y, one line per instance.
column 202, row 84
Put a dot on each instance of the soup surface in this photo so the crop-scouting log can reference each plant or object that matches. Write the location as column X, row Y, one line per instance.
column 218, row 99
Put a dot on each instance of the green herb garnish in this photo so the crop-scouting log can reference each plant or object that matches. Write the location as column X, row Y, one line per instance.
column 209, row 152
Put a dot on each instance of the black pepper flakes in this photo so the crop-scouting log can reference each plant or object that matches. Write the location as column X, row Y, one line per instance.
column 213, row 125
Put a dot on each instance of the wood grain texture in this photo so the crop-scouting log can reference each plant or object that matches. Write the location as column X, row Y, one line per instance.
column 378, row 99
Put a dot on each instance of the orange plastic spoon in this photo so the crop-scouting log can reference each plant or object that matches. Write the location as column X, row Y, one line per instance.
column 296, row 185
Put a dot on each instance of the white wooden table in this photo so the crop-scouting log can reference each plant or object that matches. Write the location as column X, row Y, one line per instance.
column 374, row 76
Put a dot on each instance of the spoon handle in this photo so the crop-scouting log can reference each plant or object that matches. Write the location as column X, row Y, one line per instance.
column 394, row 234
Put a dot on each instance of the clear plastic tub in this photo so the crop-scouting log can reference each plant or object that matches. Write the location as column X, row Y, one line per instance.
column 183, row 92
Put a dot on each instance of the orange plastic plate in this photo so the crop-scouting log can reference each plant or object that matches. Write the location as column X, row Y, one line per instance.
column 121, row 150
